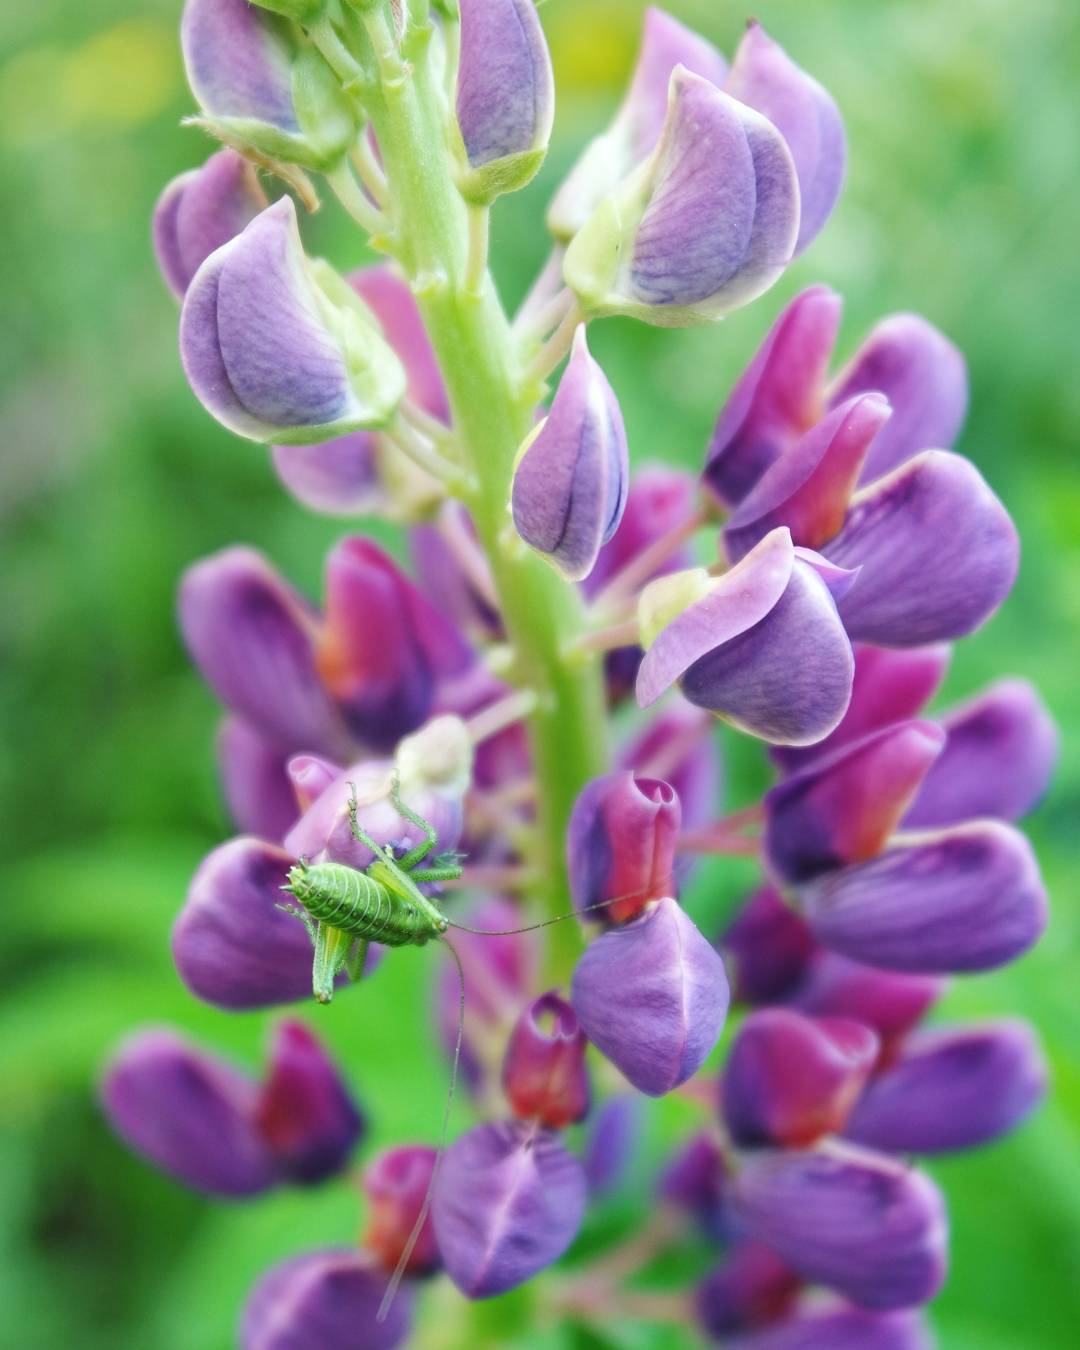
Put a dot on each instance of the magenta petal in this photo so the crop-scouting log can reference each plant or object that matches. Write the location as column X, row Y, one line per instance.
column 508, row 1202
column 652, row 995
column 505, row 88
column 778, row 396
column 544, row 1074
column 923, row 376
column 965, row 898
column 232, row 946
column 952, row 1089
column 937, row 549
column 843, row 1329
column 321, row 1300
column 809, row 486
column 887, row 1000
column 752, row 1286
column 257, row 788
column 1000, row 751
column 765, row 77
column 188, row 1113
column 868, row 1227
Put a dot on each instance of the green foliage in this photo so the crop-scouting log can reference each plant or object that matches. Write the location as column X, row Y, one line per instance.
column 961, row 203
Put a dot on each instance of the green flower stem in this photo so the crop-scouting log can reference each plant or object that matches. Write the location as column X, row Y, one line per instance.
column 493, row 406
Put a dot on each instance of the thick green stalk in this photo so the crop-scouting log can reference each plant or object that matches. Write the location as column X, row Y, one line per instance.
column 493, row 408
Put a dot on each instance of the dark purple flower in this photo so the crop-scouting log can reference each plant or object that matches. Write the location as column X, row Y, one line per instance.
column 652, row 996
column 750, row 1288
column 961, row 899
column 951, row 1089
column 695, row 1181
column 256, row 785
column 839, row 1329
column 614, row 1130
column 509, row 1200
column 544, row 1074
column 620, row 846
column 790, row 1079
column 396, row 1184
column 870, row 1228
column 678, row 746
column 887, row 1000
column 570, row 483
column 321, row 1300
column 768, row 947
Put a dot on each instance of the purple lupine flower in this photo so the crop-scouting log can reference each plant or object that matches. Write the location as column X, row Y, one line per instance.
column 652, row 996
column 790, row 1079
column 731, row 647
column 611, row 1141
column 951, row 1089
column 570, row 483
column 323, row 1299
column 705, row 225
column 889, row 1001
column 665, row 44
column 659, row 499
column 839, row 1329
column 678, row 746
column 765, row 77
column 768, row 947
column 259, row 89
column 201, row 210
column 396, row 1185
column 505, row 95
column 966, row 898
column 870, row 1228
column 454, row 573
column 620, row 846
column 696, row 1182
column 256, row 786
column 280, row 349
column 544, row 1075
column 750, row 1288
column 509, row 1200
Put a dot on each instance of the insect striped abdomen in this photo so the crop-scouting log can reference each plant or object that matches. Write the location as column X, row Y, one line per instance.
column 345, row 898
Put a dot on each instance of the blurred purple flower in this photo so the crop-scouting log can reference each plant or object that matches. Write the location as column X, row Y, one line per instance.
column 396, row 1185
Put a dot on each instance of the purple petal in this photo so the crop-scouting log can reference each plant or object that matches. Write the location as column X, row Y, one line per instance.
column 188, row 1113
column 659, row 500
column 923, row 376
column 544, row 1074
column 765, row 77
column 696, row 1181
column 870, row 1228
column 809, row 486
column 252, row 638
column 232, row 946
column 652, row 996
column 396, row 1184
column 678, row 747
column 937, row 549
column 305, row 1113
column 890, row 1002
column 238, row 62
column 844, row 808
column 768, row 947
column 505, row 88
column 751, row 1287
column 1000, row 752
column 339, row 477
column 570, row 484
column 257, row 789
column 952, row 1089
column 508, row 1202
column 324, row 1299
column 843, row 1329
column 614, row 1131
column 966, row 898
column 778, row 397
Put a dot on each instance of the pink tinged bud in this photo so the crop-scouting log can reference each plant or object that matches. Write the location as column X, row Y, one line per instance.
column 309, row 777
column 965, row 898
column 791, row 1079
column 841, row 1329
column 323, row 1299
column 890, row 1002
column 305, row 1112
column 809, row 486
column 999, row 755
column 764, row 648
column 396, row 1184
column 952, row 1089
column 544, row 1073
column 508, row 1201
column 281, row 349
column 937, row 549
column 652, row 996
column 753, row 1287
column 865, row 1226
column 924, row 377
column 704, row 226
column 252, row 637
column 257, row 790
column 200, row 211
column 695, row 1181
column 665, row 44
column 778, row 397
column 844, row 808
column 188, row 1113
column 614, row 1133
column 570, row 483
column 383, row 646
column 505, row 95
column 620, row 845
column 765, row 77
column 889, row 686
column 768, row 948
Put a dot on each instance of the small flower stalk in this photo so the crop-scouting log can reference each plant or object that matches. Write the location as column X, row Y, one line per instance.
column 442, row 749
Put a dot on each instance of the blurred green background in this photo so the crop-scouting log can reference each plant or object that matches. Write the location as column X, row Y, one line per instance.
column 962, row 202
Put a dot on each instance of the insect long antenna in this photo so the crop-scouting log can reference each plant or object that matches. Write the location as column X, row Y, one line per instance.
column 425, row 1208
column 545, row 923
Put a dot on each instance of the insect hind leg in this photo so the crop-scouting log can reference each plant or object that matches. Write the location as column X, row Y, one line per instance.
column 431, row 838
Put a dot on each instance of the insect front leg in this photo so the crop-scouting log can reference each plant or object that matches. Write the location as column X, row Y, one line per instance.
column 303, row 916
column 359, row 833
column 431, row 838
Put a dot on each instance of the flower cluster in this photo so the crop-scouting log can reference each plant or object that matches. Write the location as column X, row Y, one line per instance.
column 450, row 725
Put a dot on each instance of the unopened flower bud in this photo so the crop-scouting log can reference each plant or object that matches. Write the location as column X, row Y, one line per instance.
column 768, row 947
column 544, row 1073
column 751, row 1288
column 396, row 1184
